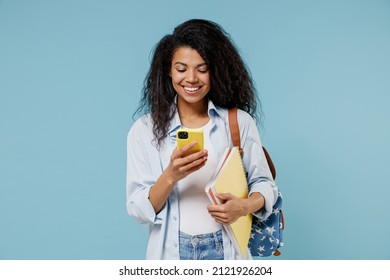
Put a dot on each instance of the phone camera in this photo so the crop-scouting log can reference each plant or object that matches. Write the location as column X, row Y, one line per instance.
column 182, row 135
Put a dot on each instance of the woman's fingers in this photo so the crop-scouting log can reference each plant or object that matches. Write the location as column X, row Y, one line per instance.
column 180, row 166
column 229, row 211
column 180, row 153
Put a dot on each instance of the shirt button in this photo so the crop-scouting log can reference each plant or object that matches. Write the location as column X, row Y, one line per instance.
column 174, row 218
column 174, row 244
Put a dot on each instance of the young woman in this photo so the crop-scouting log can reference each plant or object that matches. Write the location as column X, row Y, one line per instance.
column 196, row 74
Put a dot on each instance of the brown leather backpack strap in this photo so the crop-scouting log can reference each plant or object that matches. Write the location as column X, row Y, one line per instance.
column 277, row 253
column 235, row 134
column 270, row 163
column 234, row 129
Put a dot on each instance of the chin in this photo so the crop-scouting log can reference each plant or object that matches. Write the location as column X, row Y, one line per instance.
column 192, row 99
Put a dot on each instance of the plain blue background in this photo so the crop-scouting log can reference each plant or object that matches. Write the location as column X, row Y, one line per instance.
column 71, row 74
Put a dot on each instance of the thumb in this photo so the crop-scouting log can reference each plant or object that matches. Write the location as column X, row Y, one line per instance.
column 225, row 196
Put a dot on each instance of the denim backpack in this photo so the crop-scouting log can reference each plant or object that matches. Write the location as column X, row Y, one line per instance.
column 266, row 236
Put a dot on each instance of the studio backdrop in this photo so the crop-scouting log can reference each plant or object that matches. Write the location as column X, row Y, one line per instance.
column 71, row 76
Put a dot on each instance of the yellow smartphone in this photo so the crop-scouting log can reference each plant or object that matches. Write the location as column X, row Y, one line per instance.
column 185, row 136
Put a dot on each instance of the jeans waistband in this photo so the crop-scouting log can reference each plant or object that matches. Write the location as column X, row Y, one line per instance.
column 199, row 237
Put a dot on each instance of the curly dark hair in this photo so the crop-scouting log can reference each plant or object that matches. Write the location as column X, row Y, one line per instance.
column 231, row 82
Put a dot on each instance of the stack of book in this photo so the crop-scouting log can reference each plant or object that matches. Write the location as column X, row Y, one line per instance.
column 229, row 177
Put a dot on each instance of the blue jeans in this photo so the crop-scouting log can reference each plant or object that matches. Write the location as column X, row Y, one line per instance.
column 207, row 246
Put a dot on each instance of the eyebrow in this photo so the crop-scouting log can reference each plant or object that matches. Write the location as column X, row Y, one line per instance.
column 184, row 64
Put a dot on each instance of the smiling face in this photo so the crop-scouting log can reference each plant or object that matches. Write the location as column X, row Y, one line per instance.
column 190, row 76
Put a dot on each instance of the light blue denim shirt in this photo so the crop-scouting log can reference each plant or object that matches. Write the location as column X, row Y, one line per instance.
column 146, row 162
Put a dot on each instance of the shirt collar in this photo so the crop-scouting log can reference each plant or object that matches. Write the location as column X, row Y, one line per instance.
column 213, row 111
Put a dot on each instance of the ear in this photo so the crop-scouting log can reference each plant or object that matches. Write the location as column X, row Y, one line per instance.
column 170, row 72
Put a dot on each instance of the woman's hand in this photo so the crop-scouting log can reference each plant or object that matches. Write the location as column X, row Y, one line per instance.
column 180, row 167
column 233, row 207
column 229, row 211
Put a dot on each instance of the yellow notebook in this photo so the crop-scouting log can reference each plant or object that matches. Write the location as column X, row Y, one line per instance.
column 229, row 177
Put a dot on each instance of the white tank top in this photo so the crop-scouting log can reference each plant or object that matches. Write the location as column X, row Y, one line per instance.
column 193, row 201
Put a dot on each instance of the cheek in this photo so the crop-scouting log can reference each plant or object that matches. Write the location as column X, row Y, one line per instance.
column 206, row 79
column 207, row 82
column 176, row 84
column 176, row 79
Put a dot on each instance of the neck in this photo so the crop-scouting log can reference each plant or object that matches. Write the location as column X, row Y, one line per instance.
column 193, row 115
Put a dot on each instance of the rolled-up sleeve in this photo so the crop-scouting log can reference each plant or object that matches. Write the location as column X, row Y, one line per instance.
column 140, row 177
column 258, row 173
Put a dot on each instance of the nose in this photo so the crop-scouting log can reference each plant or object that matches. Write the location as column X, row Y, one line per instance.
column 192, row 76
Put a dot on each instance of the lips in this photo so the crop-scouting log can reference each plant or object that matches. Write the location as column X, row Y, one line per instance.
column 191, row 90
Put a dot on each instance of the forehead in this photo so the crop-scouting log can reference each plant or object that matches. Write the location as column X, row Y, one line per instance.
column 187, row 55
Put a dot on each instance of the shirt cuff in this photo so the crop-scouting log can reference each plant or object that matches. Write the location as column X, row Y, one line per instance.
column 142, row 210
column 269, row 199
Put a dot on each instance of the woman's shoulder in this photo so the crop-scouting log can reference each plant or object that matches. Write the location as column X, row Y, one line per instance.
column 244, row 117
column 246, row 122
column 143, row 125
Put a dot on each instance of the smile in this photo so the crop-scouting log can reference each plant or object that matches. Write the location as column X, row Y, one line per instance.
column 191, row 89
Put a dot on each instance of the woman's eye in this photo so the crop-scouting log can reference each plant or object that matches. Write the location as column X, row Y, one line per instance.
column 203, row 70
column 181, row 70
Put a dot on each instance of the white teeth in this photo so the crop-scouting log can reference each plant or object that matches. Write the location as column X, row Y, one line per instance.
column 191, row 88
